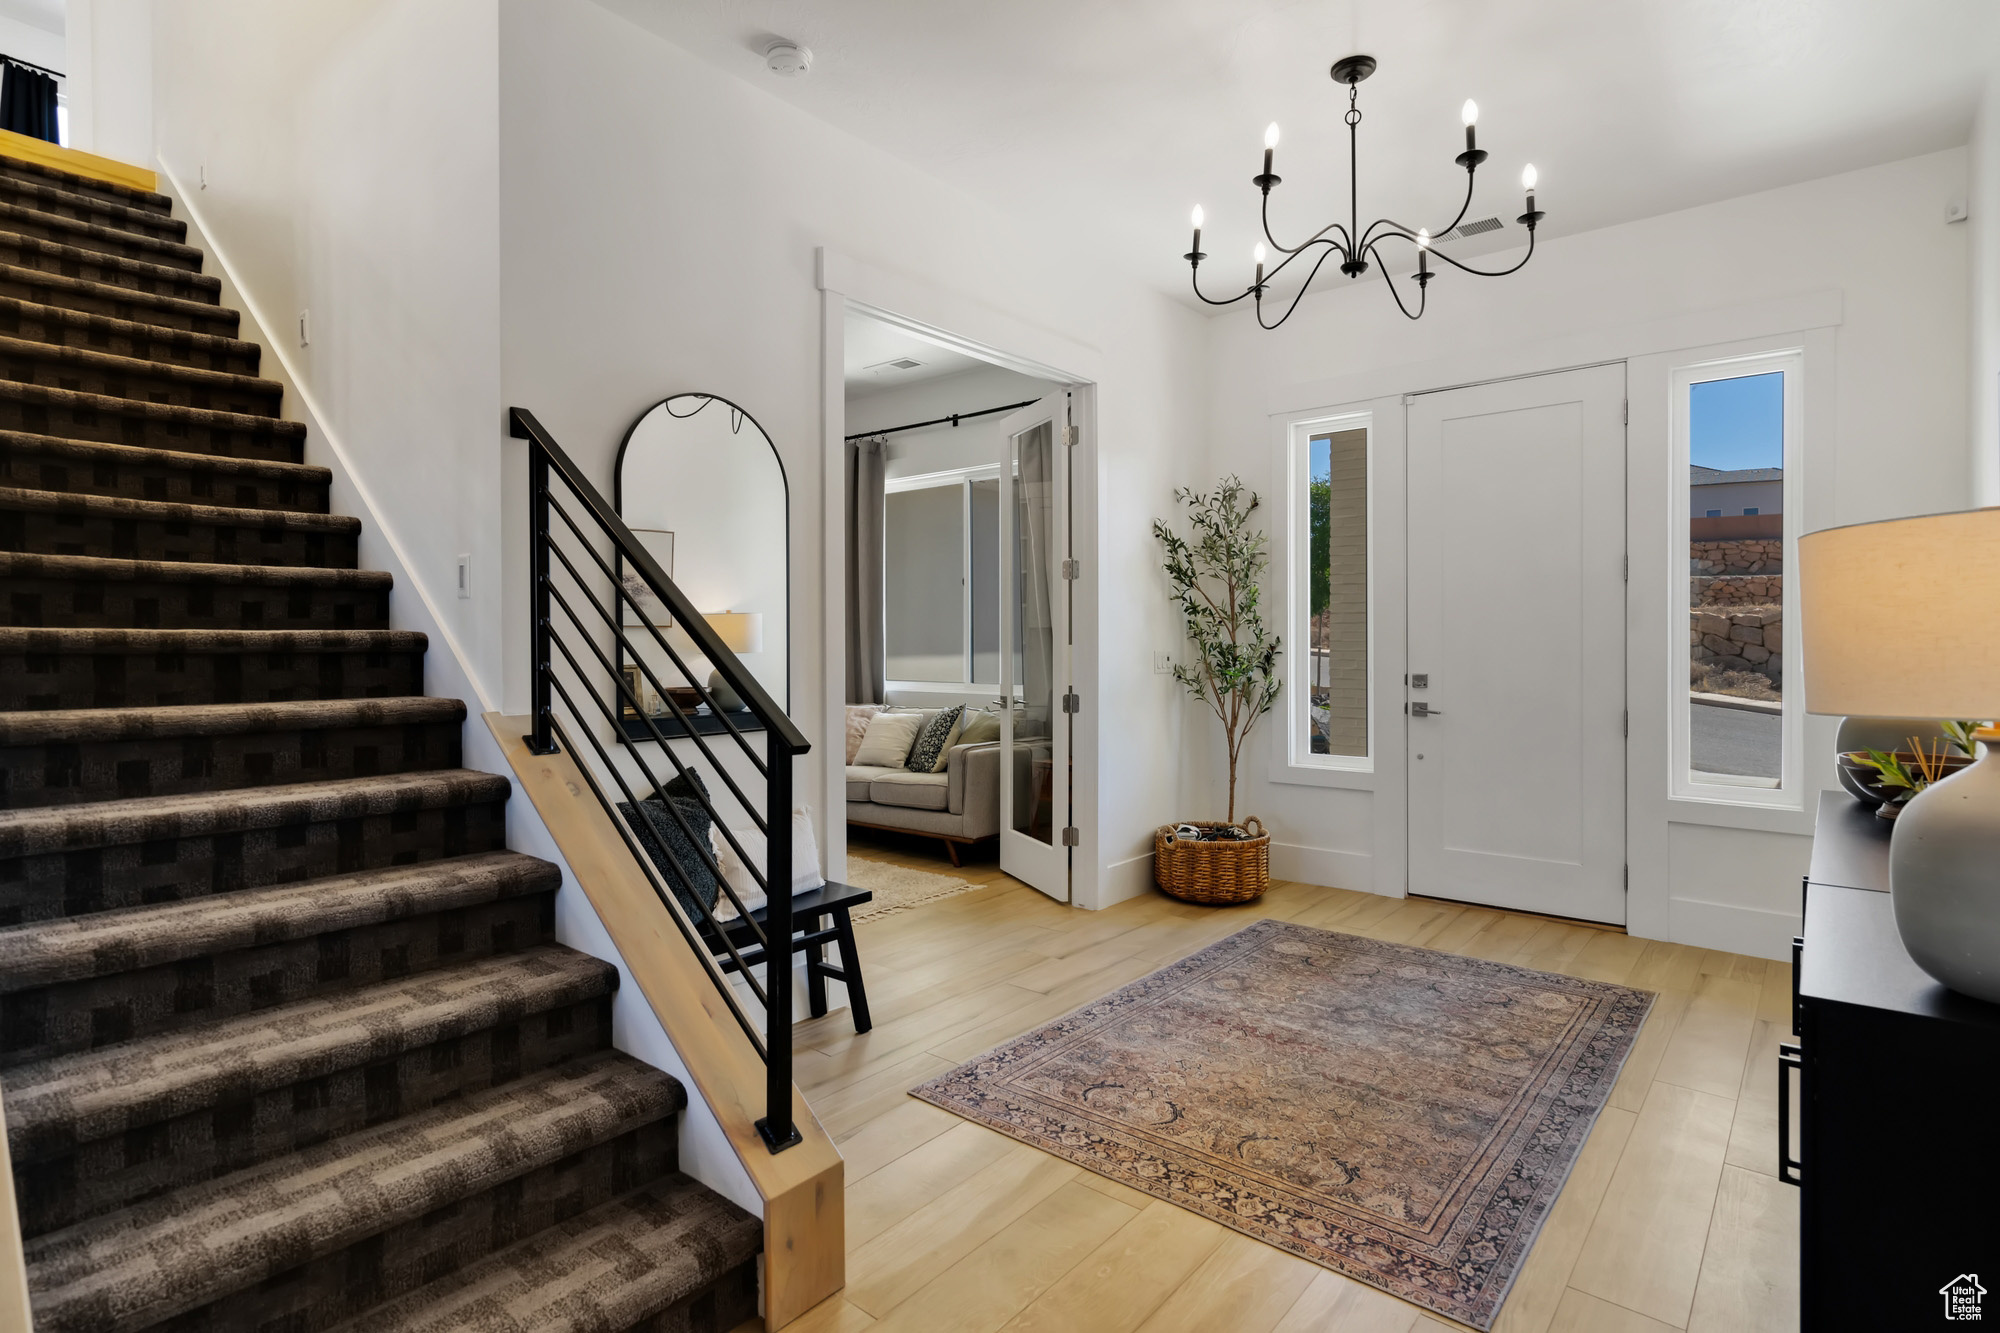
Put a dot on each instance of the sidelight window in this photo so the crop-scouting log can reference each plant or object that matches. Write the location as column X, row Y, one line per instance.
column 1327, row 651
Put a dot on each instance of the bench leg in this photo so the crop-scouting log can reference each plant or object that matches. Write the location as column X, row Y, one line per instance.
column 850, row 966
column 815, row 973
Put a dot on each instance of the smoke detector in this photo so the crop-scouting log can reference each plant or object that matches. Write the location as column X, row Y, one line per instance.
column 787, row 59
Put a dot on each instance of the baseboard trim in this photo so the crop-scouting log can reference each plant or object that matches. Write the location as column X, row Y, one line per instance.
column 1130, row 878
column 1327, row 867
column 1755, row 931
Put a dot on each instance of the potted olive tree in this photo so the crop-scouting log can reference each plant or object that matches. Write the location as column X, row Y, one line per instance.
column 1214, row 575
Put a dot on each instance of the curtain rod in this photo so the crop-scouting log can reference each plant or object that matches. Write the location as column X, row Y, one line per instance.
column 954, row 419
column 29, row 64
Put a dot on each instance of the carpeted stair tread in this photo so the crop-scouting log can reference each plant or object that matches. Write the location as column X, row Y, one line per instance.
column 607, row 1269
column 114, row 413
column 75, row 467
column 104, row 569
column 85, row 725
column 139, row 275
column 51, row 197
column 60, row 326
column 156, row 310
column 168, row 511
column 28, row 221
column 45, row 639
column 253, row 396
column 131, row 196
column 45, row 953
column 55, row 1104
column 144, row 1264
column 44, row 830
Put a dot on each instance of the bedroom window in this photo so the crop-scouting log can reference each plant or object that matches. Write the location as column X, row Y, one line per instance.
column 1329, row 686
column 941, row 579
column 1736, row 431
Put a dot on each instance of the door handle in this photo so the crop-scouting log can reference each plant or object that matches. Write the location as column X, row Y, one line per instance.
column 1422, row 709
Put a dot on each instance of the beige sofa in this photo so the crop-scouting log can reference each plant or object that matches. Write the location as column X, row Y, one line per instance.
column 959, row 806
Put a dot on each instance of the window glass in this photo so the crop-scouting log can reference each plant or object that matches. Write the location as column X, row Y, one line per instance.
column 923, row 575
column 1336, row 583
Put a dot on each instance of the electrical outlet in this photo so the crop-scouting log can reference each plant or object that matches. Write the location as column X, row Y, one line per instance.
column 1163, row 664
column 464, row 576
column 305, row 328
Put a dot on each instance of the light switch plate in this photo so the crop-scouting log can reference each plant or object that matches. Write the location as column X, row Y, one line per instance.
column 1163, row 664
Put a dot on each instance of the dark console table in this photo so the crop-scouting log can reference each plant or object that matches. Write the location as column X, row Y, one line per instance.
column 1898, row 1080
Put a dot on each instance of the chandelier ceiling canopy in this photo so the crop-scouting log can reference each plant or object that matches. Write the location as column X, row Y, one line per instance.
column 1354, row 246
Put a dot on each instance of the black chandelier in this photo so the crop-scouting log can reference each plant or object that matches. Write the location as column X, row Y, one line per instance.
column 1350, row 242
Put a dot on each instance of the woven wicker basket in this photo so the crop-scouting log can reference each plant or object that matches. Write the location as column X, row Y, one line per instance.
column 1213, row 872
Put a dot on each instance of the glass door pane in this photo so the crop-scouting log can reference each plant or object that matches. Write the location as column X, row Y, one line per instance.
column 1033, row 533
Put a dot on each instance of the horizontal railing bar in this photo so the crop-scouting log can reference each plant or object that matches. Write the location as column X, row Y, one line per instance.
column 523, row 425
column 663, row 892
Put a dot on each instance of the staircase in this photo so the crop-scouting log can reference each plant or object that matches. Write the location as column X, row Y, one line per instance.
column 286, row 1042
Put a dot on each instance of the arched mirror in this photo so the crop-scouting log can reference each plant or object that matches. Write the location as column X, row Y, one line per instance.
column 700, row 484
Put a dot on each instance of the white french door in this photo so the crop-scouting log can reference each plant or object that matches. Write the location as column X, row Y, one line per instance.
column 1035, row 645
column 1516, row 695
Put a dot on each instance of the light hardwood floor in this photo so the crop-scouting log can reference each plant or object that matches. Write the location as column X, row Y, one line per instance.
column 1672, row 1219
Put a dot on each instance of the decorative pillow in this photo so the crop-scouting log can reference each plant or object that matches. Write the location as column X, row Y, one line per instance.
column 886, row 742
column 981, row 728
column 932, row 750
column 805, row 862
column 677, row 856
column 857, row 725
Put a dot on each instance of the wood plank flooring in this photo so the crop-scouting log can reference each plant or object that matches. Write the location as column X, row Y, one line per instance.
column 1673, row 1217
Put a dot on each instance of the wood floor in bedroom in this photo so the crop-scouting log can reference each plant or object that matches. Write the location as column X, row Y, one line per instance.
column 1673, row 1218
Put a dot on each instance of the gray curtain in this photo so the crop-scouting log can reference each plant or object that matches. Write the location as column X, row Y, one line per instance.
column 866, row 465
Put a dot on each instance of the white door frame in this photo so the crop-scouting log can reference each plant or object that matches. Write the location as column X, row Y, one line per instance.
column 952, row 320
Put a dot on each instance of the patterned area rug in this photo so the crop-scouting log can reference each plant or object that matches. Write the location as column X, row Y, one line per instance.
column 1401, row 1116
column 899, row 888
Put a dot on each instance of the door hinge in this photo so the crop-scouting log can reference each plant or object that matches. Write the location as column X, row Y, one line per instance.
column 1071, row 435
column 1626, row 729
column 1071, row 837
column 1628, row 879
column 1072, row 569
column 1071, row 703
column 1628, row 411
column 1628, row 569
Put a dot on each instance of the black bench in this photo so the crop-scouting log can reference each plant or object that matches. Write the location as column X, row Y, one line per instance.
column 819, row 918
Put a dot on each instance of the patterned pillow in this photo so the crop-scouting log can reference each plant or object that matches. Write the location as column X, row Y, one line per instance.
column 932, row 750
column 668, row 846
column 857, row 726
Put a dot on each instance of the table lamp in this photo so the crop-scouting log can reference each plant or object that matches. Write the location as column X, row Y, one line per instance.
column 741, row 632
column 1902, row 619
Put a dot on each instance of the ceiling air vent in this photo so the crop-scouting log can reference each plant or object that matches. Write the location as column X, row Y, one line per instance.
column 895, row 367
column 1479, row 228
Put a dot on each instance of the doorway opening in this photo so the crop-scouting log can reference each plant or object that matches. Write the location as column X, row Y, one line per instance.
column 959, row 564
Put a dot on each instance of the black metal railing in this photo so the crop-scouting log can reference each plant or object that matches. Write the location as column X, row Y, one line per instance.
column 583, row 703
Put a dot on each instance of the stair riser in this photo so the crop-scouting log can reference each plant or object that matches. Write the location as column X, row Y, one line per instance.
column 43, row 288
column 44, row 885
column 113, row 1172
column 71, row 261
column 58, row 202
column 146, row 604
column 727, row 1303
column 148, row 478
column 145, row 680
column 54, row 371
column 51, row 532
column 107, row 424
column 320, row 1292
column 60, row 328
column 124, row 245
column 68, row 774
column 83, row 185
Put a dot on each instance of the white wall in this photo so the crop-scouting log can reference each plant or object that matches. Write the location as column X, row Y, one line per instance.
column 1983, row 199
column 942, row 448
column 351, row 153
column 661, row 222
column 32, row 42
column 108, row 56
column 1885, row 436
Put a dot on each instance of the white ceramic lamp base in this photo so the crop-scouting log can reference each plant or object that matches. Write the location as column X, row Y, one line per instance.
column 1944, row 875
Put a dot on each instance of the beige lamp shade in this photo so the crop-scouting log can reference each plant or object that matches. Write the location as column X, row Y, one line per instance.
column 1902, row 618
column 740, row 631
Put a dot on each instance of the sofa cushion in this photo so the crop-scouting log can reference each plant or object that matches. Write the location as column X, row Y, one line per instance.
column 914, row 791
column 857, row 725
column 860, row 775
column 886, row 741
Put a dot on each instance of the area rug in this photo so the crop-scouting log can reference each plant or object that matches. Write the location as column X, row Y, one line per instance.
column 1401, row 1116
column 899, row 888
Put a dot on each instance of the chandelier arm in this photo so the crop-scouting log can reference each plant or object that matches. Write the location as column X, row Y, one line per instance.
column 1346, row 242
column 1299, row 295
column 1333, row 248
column 1194, row 280
column 1494, row 273
column 1423, row 292
column 1408, row 233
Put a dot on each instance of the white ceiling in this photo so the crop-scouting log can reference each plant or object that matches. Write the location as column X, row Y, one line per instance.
column 870, row 343
column 44, row 14
column 1130, row 113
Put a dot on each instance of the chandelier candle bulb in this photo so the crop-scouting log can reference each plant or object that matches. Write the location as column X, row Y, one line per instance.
column 1265, row 181
column 1258, row 255
column 1469, row 113
column 1194, row 251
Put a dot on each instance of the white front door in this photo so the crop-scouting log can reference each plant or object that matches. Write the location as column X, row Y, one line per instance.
column 1516, row 694
column 1035, row 646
